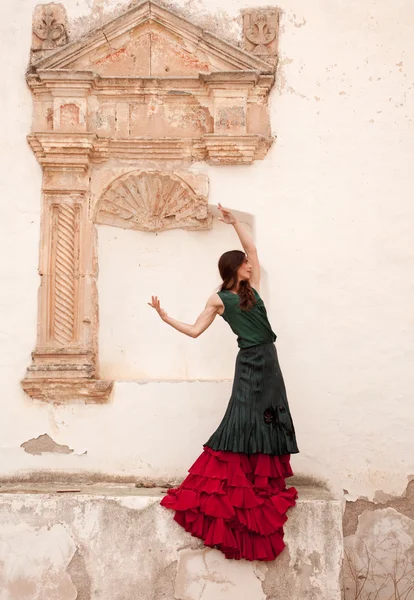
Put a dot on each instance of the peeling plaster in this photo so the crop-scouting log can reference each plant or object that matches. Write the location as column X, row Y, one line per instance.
column 112, row 543
column 353, row 510
column 379, row 558
column 34, row 560
column 277, row 583
column 207, row 575
column 80, row 576
column 300, row 23
column 44, row 443
column 220, row 23
column 281, row 77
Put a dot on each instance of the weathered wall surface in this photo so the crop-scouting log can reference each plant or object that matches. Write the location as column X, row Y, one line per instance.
column 116, row 542
column 332, row 212
column 134, row 344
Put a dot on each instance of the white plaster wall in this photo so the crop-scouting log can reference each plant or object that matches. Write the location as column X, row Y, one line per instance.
column 180, row 267
column 333, row 213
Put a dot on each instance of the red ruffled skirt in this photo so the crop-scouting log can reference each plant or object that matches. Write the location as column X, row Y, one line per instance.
column 235, row 502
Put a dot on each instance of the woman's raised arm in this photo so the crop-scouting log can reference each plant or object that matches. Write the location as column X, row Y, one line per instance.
column 247, row 243
column 204, row 320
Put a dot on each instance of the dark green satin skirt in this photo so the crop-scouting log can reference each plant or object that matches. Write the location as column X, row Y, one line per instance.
column 258, row 418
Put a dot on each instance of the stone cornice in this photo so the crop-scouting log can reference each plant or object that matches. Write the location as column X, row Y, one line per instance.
column 76, row 151
column 150, row 12
column 62, row 150
column 80, row 83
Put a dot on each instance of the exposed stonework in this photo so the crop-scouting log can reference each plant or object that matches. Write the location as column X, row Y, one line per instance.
column 353, row 510
column 152, row 201
column 49, row 27
column 79, row 575
column 261, row 29
column 44, row 443
column 318, row 548
column 29, row 558
column 379, row 558
column 111, row 542
column 379, row 548
column 207, row 573
column 147, row 88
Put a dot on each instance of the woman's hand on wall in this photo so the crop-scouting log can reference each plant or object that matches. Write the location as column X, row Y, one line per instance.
column 227, row 215
column 155, row 303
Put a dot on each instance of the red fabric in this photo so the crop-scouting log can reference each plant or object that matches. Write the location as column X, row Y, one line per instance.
column 235, row 502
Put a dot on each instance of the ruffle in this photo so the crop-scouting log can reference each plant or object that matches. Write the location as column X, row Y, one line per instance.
column 235, row 502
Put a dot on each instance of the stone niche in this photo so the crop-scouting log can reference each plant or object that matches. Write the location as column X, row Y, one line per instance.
column 118, row 117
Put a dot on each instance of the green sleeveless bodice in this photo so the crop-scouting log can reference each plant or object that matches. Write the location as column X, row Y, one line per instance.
column 252, row 326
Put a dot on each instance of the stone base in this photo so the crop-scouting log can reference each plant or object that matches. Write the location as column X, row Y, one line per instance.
column 62, row 390
column 115, row 541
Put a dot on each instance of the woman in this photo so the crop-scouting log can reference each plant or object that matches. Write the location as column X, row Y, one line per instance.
column 235, row 498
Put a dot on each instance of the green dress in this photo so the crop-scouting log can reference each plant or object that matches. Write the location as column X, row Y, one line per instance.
column 257, row 419
column 235, row 497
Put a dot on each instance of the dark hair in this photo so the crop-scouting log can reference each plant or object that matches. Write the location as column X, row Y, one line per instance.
column 229, row 263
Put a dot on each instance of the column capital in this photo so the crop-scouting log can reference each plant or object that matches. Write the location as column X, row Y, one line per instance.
column 56, row 151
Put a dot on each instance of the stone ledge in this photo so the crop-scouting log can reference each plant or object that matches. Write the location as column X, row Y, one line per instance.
column 103, row 489
column 115, row 541
column 86, row 480
column 66, row 390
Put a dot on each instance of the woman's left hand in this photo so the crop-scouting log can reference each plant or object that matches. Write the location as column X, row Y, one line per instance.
column 227, row 215
column 155, row 303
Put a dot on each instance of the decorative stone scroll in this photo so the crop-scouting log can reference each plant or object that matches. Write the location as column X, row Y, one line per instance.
column 119, row 116
column 49, row 27
column 261, row 28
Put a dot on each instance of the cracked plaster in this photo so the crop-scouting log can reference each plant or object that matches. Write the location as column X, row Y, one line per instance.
column 119, row 543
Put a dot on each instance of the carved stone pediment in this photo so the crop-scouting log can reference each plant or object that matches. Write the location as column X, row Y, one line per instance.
column 150, row 79
column 151, row 41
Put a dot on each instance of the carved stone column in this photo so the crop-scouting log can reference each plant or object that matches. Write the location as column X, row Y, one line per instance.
column 64, row 363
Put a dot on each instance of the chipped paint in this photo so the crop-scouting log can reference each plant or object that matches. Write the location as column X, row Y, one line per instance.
column 34, row 560
column 354, row 509
column 117, row 542
column 379, row 557
column 44, row 443
column 207, row 575
column 77, row 570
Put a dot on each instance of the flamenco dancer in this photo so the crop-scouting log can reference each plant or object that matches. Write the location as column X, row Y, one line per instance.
column 235, row 497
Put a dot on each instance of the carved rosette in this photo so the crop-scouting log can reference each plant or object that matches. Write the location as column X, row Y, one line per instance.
column 152, row 201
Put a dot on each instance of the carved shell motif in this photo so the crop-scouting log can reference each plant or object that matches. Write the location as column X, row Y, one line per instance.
column 152, row 201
